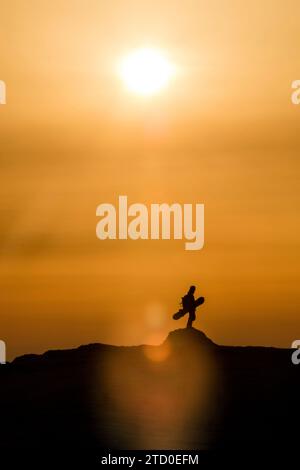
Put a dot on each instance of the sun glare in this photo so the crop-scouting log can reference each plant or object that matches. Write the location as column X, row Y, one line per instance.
column 146, row 71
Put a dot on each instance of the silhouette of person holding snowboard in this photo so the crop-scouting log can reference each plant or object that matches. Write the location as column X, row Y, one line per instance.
column 189, row 305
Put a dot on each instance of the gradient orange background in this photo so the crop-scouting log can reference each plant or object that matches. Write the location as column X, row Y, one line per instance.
column 224, row 133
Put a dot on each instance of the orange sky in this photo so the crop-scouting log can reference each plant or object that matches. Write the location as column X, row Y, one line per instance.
column 224, row 133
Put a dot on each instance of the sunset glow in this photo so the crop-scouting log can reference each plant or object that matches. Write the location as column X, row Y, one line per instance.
column 146, row 71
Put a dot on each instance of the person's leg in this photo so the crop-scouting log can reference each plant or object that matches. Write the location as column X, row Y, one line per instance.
column 192, row 317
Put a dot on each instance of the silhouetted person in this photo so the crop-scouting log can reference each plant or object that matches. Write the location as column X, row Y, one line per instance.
column 188, row 303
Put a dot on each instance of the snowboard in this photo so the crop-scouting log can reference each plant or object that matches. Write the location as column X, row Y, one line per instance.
column 183, row 311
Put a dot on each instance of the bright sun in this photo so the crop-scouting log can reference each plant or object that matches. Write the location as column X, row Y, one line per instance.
column 146, row 71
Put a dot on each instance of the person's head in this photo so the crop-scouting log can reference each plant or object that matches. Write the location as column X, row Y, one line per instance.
column 192, row 289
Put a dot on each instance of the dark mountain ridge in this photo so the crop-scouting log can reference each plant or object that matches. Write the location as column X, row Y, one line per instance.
column 187, row 393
